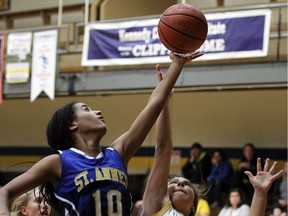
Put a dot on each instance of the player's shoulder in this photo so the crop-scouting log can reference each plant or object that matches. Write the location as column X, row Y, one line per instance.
column 51, row 163
column 53, row 158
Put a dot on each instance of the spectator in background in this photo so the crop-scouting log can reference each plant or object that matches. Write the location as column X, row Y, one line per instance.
column 198, row 165
column 30, row 203
column 280, row 194
column 220, row 177
column 247, row 163
column 235, row 205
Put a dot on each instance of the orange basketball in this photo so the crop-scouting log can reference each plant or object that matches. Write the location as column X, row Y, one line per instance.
column 182, row 28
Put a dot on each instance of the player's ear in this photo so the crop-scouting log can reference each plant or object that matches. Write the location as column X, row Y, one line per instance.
column 73, row 126
column 23, row 210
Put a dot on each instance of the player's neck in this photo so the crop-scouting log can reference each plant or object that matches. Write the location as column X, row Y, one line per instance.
column 90, row 147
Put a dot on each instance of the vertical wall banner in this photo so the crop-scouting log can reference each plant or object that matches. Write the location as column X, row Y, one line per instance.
column 2, row 45
column 44, row 63
column 18, row 57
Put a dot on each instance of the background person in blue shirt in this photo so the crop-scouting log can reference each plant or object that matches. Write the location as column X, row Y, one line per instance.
column 220, row 177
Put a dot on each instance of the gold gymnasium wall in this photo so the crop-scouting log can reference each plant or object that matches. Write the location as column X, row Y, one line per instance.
column 225, row 119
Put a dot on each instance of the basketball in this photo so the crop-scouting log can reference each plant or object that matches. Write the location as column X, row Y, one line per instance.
column 182, row 28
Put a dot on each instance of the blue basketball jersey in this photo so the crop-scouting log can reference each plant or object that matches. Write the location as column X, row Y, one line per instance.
column 93, row 186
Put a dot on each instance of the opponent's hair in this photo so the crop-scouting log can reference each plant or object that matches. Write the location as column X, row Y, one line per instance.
column 58, row 129
column 200, row 191
column 23, row 200
column 48, row 193
column 20, row 201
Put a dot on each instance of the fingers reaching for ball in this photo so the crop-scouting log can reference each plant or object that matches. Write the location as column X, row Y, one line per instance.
column 159, row 73
column 185, row 57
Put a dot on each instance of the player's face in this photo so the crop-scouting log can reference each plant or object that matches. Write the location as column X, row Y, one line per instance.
column 87, row 119
column 181, row 194
column 36, row 206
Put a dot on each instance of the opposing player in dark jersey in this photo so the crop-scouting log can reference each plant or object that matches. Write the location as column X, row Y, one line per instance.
column 87, row 180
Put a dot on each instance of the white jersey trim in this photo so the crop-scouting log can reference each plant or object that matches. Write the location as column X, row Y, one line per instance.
column 85, row 155
column 68, row 202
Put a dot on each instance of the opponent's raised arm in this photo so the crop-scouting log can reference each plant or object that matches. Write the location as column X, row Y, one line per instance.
column 129, row 142
column 156, row 195
column 262, row 182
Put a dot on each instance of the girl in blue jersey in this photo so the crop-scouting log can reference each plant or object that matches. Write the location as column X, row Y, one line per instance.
column 87, row 180
column 180, row 197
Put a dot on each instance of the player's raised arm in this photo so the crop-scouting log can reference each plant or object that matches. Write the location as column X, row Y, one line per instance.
column 262, row 182
column 129, row 142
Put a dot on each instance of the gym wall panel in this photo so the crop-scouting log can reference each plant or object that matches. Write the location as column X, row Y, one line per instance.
column 245, row 2
column 114, row 9
column 201, row 4
column 27, row 22
column 216, row 119
column 29, row 5
column 24, row 123
column 231, row 119
column 68, row 17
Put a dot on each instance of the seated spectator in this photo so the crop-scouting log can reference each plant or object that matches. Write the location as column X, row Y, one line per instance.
column 203, row 208
column 235, row 205
column 30, row 204
column 198, row 165
column 247, row 163
column 220, row 177
column 280, row 194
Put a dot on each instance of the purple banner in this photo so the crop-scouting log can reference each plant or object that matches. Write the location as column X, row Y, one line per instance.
column 230, row 35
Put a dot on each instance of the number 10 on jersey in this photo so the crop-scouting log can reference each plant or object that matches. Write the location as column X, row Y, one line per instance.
column 114, row 203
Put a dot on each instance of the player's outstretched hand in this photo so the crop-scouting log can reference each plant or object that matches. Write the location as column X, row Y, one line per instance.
column 263, row 180
column 184, row 58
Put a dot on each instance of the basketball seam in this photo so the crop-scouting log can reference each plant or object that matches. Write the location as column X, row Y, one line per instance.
column 180, row 14
column 170, row 43
column 197, row 38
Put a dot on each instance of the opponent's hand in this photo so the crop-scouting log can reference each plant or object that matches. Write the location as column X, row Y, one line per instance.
column 184, row 58
column 263, row 180
column 159, row 73
column 160, row 76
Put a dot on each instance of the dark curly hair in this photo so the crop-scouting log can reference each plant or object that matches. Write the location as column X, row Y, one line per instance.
column 59, row 137
column 58, row 129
